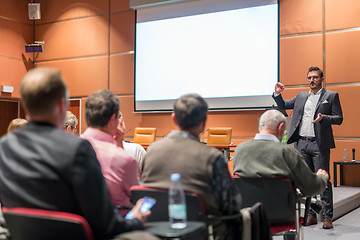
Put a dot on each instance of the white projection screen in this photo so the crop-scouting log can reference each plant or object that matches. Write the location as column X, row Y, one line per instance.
column 225, row 50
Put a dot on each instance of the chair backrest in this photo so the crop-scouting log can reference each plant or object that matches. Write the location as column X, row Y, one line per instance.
column 30, row 224
column 276, row 194
column 219, row 136
column 160, row 212
column 144, row 135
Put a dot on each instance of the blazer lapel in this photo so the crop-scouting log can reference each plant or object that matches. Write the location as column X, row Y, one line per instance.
column 321, row 99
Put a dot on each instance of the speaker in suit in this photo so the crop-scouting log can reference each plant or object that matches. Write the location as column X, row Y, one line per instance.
column 313, row 114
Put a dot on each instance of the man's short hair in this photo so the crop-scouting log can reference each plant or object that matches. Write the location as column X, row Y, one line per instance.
column 271, row 119
column 311, row 69
column 70, row 120
column 190, row 110
column 41, row 89
column 99, row 108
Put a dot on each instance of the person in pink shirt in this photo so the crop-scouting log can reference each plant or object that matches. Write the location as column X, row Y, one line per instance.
column 120, row 170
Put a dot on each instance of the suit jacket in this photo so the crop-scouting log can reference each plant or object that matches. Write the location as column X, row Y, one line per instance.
column 328, row 105
column 44, row 167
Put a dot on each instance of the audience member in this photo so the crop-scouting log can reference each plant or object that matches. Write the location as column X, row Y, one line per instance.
column 70, row 123
column 118, row 167
column 203, row 169
column 134, row 149
column 16, row 123
column 43, row 167
column 265, row 156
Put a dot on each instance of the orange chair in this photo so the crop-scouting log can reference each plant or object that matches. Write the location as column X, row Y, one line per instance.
column 280, row 200
column 219, row 136
column 30, row 224
column 144, row 136
column 221, row 139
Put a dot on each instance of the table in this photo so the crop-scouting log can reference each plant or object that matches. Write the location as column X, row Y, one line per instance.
column 193, row 230
column 341, row 164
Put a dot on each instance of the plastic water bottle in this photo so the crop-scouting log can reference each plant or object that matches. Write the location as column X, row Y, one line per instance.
column 177, row 204
column 345, row 157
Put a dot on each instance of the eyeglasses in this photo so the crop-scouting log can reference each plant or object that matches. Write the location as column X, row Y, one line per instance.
column 74, row 129
column 313, row 77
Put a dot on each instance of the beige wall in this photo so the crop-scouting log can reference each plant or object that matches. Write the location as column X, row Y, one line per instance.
column 92, row 43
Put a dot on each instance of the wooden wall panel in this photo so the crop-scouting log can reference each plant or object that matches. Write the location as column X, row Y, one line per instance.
column 300, row 16
column 350, row 106
column 12, row 71
column 75, row 38
column 15, row 10
column 13, row 38
column 297, row 54
column 83, row 76
column 122, row 74
column 52, row 11
column 117, row 5
column 122, row 31
column 342, row 57
column 342, row 14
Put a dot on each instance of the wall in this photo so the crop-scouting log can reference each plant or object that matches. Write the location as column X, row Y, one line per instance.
column 92, row 43
column 16, row 30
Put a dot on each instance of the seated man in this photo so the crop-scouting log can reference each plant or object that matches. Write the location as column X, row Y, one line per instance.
column 118, row 167
column 43, row 167
column 265, row 156
column 134, row 149
column 203, row 169
column 70, row 123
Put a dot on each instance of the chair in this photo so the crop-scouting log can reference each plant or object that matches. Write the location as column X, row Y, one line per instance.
column 280, row 200
column 195, row 206
column 219, row 136
column 160, row 211
column 221, row 139
column 30, row 224
column 144, row 136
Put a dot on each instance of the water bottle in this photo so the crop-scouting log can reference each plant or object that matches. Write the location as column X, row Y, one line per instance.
column 177, row 204
column 345, row 157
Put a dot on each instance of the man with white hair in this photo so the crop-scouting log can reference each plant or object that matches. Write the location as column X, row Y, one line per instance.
column 266, row 156
column 70, row 123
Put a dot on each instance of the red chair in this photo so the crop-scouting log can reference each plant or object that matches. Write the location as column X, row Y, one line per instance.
column 280, row 200
column 195, row 207
column 31, row 224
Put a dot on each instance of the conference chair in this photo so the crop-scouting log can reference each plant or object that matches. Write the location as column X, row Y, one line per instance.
column 144, row 136
column 280, row 200
column 31, row 224
column 221, row 139
column 195, row 206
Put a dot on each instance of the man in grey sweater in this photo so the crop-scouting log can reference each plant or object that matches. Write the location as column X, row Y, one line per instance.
column 265, row 156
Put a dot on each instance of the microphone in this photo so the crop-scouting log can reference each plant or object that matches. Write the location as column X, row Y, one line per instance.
column 353, row 154
column 166, row 133
column 201, row 135
column 127, row 131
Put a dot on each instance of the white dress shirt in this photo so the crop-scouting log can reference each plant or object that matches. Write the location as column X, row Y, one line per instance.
column 306, row 125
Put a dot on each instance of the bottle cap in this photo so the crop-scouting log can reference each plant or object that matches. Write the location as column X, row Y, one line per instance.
column 175, row 177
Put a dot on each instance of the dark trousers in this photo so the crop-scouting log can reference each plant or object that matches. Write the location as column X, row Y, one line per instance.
column 316, row 159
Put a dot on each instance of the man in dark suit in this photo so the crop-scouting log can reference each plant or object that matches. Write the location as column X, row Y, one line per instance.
column 43, row 167
column 314, row 113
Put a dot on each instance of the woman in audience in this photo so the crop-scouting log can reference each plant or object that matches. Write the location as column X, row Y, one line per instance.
column 16, row 123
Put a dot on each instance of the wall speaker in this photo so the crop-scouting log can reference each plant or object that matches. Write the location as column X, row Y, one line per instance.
column 34, row 10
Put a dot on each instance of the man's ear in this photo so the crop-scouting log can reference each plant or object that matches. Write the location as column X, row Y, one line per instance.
column 68, row 128
column 281, row 128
